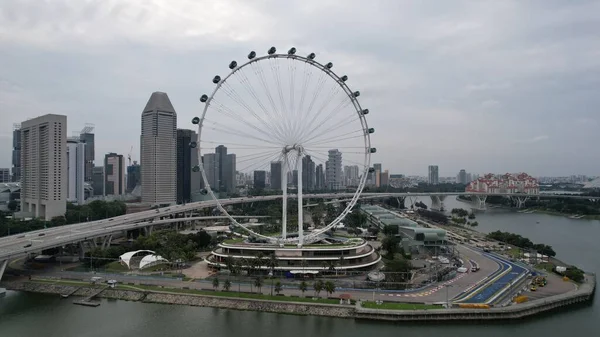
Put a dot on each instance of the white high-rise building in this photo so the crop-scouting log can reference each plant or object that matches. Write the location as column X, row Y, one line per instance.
column 75, row 171
column 333, row 170
column 351, row 175
column 433, row 176
column 44, row 166
column 158, row 155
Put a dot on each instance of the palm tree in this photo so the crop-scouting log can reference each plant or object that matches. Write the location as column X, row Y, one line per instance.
column 216, row 283
column 278, row 287
column 303, row 287
column 318, row 286
column 329, row 287
column 304, row 264
column 260, row 259
column 258, row 283
column 226, row 285
column 230, row 263
column 272, row 263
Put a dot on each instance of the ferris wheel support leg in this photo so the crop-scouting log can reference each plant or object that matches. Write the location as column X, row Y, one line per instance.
column 300, row 209
column 284, row 199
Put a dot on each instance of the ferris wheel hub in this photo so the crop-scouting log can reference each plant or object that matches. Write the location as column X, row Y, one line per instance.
column 296, row 147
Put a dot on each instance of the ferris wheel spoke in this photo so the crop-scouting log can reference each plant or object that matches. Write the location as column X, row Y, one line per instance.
column 334, row 127
column 242, row 146
column 262, row 79
column 263, row 161
column 277, row 77
column 250, row 90
column 315, row 96
column 331, row 139
column 344, row 102
column 230, row 91
column 237, row 118
column 230, row 130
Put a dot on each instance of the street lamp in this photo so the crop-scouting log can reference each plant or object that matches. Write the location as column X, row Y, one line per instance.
column 447, row 300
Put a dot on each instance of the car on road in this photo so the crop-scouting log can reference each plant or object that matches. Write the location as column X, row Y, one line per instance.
column 27, row 245
column 41, row 234
column 20, row 236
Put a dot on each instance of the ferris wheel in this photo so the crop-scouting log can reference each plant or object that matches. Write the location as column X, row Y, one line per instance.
column 289, row 115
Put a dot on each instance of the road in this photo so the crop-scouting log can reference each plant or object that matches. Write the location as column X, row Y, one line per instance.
column 14, row 246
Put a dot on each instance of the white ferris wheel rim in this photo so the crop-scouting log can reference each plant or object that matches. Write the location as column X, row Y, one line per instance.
column 312, row 236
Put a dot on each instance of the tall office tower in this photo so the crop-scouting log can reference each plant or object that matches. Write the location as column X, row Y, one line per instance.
column 75, row 171
column 377, row 176
column 319, row 178
column 16, row 153
column 159, row 151
column 276, row 167
column 290, row 178
column 44, row 166
column 188, row 182
column 462, row 177
column 434, row 177
column 308, row 173
column 385, row 178
column 211, row 168
column 98, row 180
column 230, row 173
column 114, row 174
column 333, row 170
column 351, row 175
column 221, row 152
column 133, row 176
column 260, row 178
column 295, row 178
column 86, row 136
column 5, row 176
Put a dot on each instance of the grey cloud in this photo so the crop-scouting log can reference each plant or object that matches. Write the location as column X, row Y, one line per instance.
column 427, row 70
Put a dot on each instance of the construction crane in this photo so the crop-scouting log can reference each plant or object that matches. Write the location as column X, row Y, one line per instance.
column 129, row 155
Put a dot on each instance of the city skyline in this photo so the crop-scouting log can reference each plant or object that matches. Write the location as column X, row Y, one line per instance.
column 523, row 90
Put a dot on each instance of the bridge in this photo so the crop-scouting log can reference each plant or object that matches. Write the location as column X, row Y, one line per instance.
column 21, row 244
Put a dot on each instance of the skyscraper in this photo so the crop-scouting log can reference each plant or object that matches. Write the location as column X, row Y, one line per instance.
column 276, row 167
column 260, row 178
column 44, row 166
column 211, row 168
column 227, row 181
column 377, row 173
column 308, row 173
column 98, row 180
column 462, row 176
column 16, row 153
column 187, row 157
column 75, row 171
column 87, row 137
column 158, row 151
column 114, row 174
column 319, row 178
column 133, row 176
column 385, row 178
column 5, row 176
column 351, row 175
column 333, row 170
column 433, row 175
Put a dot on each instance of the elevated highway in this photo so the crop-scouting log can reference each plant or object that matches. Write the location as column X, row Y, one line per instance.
column 21, row 244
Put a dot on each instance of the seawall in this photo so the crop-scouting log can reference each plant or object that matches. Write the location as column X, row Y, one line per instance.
column 296, row 308
column 584, row 293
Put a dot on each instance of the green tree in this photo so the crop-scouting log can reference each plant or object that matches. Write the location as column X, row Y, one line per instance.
column 258, row 283
column 303, row 287
column 391, row 245
column 215, row 283
column 226, row 285
column 329, row 287
column 278, row 287
column 318, row 287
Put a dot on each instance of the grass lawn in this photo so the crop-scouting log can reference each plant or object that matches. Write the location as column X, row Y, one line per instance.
column 400, row 306
column 231, row 294
column 234, row 294
column 545, row 266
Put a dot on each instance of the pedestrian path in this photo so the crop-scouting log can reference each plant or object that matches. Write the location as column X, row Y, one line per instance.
column 429, row 291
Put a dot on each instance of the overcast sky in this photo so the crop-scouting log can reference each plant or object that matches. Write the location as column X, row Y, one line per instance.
column 500, row 86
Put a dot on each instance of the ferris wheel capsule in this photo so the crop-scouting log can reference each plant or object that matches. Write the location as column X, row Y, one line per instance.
column 311, row 56
column 232, row 65
column 292, row 51
column 272, row 51
column 252, row 55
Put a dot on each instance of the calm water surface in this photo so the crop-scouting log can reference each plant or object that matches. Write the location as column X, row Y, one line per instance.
column 575, row 241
